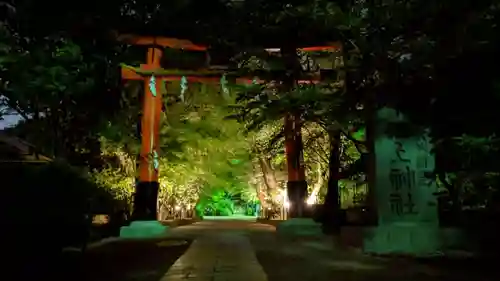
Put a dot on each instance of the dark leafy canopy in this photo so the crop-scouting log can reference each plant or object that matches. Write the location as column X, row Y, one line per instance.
column 96, row 19
column 432, row 57
column 57, row 81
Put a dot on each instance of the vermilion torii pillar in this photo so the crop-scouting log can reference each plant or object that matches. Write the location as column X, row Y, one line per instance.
column 146, row 193
column 296, row 184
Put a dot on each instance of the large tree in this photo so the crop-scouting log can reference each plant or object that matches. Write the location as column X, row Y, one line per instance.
column 427, row 60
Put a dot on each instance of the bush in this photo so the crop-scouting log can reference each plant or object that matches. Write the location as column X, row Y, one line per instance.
column 208, row 206
column 50, row 206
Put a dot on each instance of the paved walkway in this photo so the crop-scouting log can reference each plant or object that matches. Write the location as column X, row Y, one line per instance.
column 220, row 256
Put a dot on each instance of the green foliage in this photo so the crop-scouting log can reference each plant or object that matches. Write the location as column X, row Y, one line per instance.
column 63, row 87
column 54, row 197
column 119, row 186
column 216, row 204
column 202, row 147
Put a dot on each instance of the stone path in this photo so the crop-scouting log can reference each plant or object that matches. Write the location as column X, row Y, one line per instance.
column 218, row 257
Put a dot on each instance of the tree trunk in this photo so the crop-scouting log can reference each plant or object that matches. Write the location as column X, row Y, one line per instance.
column 456, row 198
column 370, row 115
column 56, row 149
column 268, row 174
column 319, row 184
column 259, row 187
column 36, row 117
column 331, row 210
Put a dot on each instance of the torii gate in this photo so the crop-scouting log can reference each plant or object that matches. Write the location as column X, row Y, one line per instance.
column 145, row 198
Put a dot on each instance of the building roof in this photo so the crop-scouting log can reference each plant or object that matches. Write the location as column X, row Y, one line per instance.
column 13, row 149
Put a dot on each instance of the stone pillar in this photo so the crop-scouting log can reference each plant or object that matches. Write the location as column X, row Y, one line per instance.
column 404, row 190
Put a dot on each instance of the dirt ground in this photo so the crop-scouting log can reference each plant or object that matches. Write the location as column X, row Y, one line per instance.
column 129, row 260
column 133, row 260
column 123, row 261
column 318, row 259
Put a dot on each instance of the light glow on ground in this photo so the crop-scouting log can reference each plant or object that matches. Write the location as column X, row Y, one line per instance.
column 233, row 217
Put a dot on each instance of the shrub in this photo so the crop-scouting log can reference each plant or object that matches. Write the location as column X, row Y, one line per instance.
column 50, row 206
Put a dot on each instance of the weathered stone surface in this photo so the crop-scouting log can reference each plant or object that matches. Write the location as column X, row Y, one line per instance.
column 404, row 190
column 403, row 238
column 143, row 229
